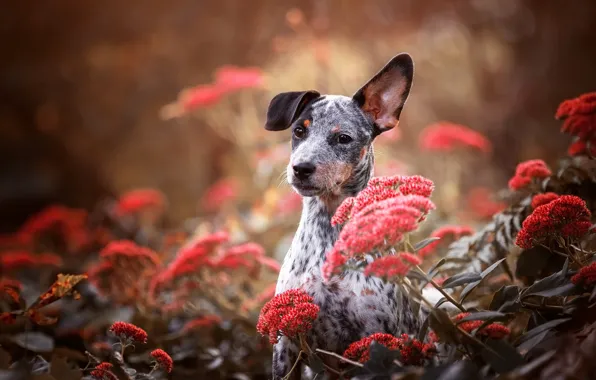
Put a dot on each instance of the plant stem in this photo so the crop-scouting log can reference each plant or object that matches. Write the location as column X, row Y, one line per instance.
column 294, row 366
column 346, row 360
column 441, row 290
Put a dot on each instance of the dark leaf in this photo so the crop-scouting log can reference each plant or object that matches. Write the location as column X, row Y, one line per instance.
column 527, row 369
column 443, row 326
column 436, row 266
column 530, row 343
column 34, row 341
column 593, row 295
column 315, row 363
column 501, row 356
column 483, row 316
column 423, row 243
column 540, row 328
column 423, row 329
column 562, row 290
column 381, row 359
column 468, row 289
column 553, row 281
column 441, row 301
column 461, row 370
column 461, row 279
column 506, row 299
column 5, row 359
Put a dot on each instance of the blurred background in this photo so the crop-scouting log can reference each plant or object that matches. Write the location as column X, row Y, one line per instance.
column 91, row 103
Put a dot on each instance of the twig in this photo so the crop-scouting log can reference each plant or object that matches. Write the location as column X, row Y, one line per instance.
column 294, row 366
column 441, row 290
column 339, row 357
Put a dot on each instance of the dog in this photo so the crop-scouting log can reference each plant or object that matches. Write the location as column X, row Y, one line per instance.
column 332, row 158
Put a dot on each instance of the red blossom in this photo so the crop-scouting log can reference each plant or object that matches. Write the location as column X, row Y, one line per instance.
column 582, row 105
column 129, row 249
column 481, row 203
column 102, row 371
column 542, row 199
column 528, row 171
column 236, row 78
column 567, row 216
column 290, row 313
column 163, row 360
column 128, row 331
column 334, row 261
column 580, row 147
column 201, row 96
column 446, row 136
column 139, row 200
column 413, row 352
column 416, row 185
column 445, row 233
column 201, row 322
column 21, row 259
column 289, row 203
column 586, row 275
column 493, row 330
column 392, row 266
column 220, row 193
column 70, row 225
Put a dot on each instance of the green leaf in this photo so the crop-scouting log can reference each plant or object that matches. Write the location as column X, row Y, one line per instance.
column 483, row 316
column 460, row 279
column 423, row 243
column 468, row 289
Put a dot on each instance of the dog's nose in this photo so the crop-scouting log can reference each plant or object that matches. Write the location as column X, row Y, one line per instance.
column 304, row 170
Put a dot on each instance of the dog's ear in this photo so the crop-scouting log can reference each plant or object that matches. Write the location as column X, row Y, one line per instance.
column 384, row 95
column 286, row 107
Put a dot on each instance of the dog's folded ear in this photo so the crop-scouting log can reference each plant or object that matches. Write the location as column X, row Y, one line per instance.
column 384, row 95
column 284, row 108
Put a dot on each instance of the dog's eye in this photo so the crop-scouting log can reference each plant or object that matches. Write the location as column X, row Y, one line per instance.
column 344, row 139
column 299, row 132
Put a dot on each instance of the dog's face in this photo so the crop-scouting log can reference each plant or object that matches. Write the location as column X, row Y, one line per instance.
column 332, row 135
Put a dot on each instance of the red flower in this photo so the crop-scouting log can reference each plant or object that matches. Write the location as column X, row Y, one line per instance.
column 450, row 233
column 583, row 105
column 126, row 248
column 66, row 223
column 585, row 276
column 201, row 96
column 493, row 330
column 526, row 172
column 416, row 185
column 542, row 199
column 220, row 193
column 566, row 216
column 162, row 359
column 446, row 136
column 579, row 147
column 481, row 203
column 129, row 332
column 139, row 200
column 389, row 267
column 334, row 261
column 20, row 259
column 236, row 78
column 102, row 371
column 290, row 313
column 289, row 203
column 413, row 352
column 205, row 321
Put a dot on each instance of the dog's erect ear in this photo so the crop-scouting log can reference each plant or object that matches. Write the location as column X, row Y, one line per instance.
column 384, row 95
column 286, row 107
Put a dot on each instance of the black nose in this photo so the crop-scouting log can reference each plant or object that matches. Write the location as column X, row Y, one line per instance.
column 303, row 171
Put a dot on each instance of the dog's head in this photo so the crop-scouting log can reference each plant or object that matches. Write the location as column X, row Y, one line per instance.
column 332, row 134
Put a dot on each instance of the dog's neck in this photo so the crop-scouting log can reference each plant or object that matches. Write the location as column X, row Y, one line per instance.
column 315, row 235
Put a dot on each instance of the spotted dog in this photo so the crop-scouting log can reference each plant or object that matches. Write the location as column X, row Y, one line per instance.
column 332, row 158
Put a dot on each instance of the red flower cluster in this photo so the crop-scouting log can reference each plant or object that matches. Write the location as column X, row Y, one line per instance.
column 334, row 261
column 163, row 360
column 389, row 267
column 249, row 256
column 102, row 371
column 70, row 225
column 542, row 199
column 221, row 192
column 17, row 260
column 140, row 200
column 115, row 250
column 413, row 351
column 445, row 233
column 586, row 275
column 528, row 171
column 197, row 323
column 290, row 313
column 129, row 332
column 446, row 137
column 381, row 214
column 481, row 203
column 579, row 115
column 567, row 216
column 493, row 330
